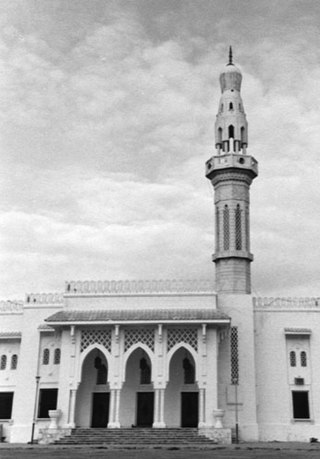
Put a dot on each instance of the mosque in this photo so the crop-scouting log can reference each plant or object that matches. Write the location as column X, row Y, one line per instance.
column 170, row 353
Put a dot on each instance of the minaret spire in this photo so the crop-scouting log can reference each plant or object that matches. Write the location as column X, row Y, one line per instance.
column 230, row 56
column 231, row 171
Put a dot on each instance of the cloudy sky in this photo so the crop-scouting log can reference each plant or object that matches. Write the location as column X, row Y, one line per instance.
column 107, row 113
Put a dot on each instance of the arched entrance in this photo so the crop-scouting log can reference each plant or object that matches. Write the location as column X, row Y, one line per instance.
column 92, row 407
column 182, row 392
column 137, row 395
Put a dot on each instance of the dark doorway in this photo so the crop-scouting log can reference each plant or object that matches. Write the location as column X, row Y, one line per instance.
column 100, row 409
column 300, row 401
column 145, row 409
column 189, row 409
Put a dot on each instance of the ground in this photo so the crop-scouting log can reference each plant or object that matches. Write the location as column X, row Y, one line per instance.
column 244, row 451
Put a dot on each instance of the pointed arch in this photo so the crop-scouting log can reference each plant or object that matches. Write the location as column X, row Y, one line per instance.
column 85, row 354
column 189, row 349
column 130, row 351
column 231, row 131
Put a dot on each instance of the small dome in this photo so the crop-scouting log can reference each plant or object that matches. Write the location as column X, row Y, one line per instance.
column 230, row 78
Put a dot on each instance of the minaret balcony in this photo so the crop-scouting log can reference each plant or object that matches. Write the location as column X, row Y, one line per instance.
column 231, row 160
column 232, row 254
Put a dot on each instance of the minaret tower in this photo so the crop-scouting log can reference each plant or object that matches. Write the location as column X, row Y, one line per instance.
column 231, row 171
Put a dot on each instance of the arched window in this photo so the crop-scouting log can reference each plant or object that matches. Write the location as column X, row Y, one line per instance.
column 231, row 132
column 303, row 359
column 231, row 106
column 238, row 228
column 57, row 356
column 293, row 361
column 221, row 107
column 242, row 132
column 145, row 372
column 226, row 229
column 3, row 362
column 14, row 362
column 46, row 357
column 102, row 374
column 219, row 140
column 189, row 373
column 217, row 229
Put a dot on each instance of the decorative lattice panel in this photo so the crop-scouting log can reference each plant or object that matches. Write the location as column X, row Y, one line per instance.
column 136, row 335
column 234, row 355
column 183, row 335
column 238, row 228
column 95, row 336
column 226, row 228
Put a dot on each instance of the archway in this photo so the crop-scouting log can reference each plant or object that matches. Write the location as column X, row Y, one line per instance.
column 137, row 395
column 92, row 406
column 181, row 396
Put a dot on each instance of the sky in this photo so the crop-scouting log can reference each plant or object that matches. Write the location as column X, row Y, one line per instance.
column 107, row 112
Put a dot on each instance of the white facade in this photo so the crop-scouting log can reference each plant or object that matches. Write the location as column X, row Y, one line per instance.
column 170, row 353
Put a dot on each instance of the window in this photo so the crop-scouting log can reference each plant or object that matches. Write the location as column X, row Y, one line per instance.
column 238, row 228
column 231, row 131
column 14, row 362
column 189, row 373
column 57, row 356
column 293, row 361
column 231, row 106
column 226, row 231
column 303, row 359
column 47, row 401
column 145, row 372
column 3, row 362
column 6, row 399
column 234, row 355
column 217, row 229
column 300, row 403
column 46, row 357
column 102, row 374
column 219, row 140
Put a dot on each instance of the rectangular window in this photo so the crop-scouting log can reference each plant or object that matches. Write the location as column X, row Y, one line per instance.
column 47, row 401
column 300, row 402
column 6, row 399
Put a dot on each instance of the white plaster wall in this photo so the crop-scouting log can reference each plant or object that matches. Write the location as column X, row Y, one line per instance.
column 24, row 397
column 240, row 309
column 89, row 302
column 275, row 413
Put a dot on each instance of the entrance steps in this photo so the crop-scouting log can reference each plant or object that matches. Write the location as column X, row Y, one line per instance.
column 137, row 437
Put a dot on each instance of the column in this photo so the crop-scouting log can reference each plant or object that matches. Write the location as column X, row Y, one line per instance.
column 156, row 408
column 111, row 423
column 202, row 421
column 117, row 409
column 72, row 411
column 161, row 417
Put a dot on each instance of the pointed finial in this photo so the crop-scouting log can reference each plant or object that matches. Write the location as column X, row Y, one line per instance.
column 230, row 56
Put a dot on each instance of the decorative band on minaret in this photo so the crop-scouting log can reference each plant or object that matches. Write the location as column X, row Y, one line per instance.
column 231, row 171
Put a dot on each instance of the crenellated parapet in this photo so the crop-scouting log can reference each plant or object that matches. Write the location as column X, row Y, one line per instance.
column 133, row 287
column 44, row 298
column 286, row 303
column 11, row 306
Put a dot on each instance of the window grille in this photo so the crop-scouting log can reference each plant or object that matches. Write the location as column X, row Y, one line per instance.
column 3, row 362
column 139, row 335
column 102, row 374
column 145, row 372
column 189, row 373
column 14, row 362
column 57, row 356
column 238, row 228
column 226, row 229
column 217, row 229
column 46, row 357
column 247, row 230
column 293, row 361
column 234, row 356
column 96, row 336
column 183, row 335
column 303, row 359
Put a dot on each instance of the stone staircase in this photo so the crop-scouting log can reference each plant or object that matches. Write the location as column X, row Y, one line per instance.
column 137, row 437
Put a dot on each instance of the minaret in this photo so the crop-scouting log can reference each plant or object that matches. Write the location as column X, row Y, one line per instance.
column 231, row 171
